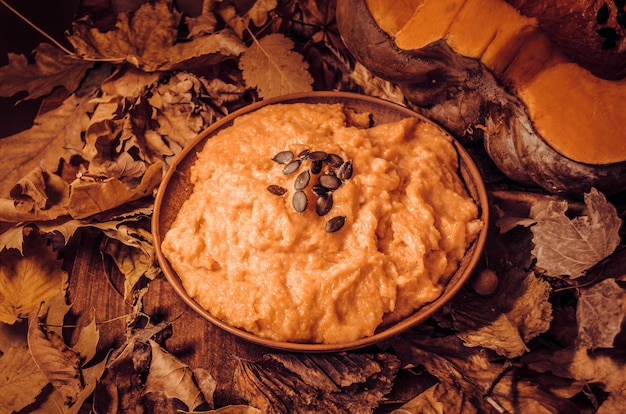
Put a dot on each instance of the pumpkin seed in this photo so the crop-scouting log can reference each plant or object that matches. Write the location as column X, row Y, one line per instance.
column 299, row 201
column 283, row 157
column 319, row 190
column 610, row 37
column 302, row 180
column 333, row 160
column 316, row 167
column 335, row 223
column 345, row 171
column 292, row 167
column 603, row 14
column 621, row 18
column 304, row 154
column 329, row 181
column 317, row 155
column 276, row 189
column 324, row 204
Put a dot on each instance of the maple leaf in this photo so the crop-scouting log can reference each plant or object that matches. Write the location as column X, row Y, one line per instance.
column 600, row 313
column 273, row 68
column 12, row 238
column 51, row 68
column 565, row 246
column 27, row 281
column 56, row 134
column 151, row 47
column 517, row 313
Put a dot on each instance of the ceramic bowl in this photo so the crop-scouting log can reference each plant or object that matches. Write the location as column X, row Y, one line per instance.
column 176, row 188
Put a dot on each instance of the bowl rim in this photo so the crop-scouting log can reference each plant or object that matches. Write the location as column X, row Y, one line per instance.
column 389, row 331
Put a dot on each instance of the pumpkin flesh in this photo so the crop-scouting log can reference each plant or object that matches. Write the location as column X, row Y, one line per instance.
column 578, row 114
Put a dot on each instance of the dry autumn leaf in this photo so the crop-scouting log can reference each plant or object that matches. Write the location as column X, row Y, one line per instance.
column 133, row 252
column 471, row 377
column 138, row 40
column 59, row 363
column 171, row 377
column 428, row 403
column 517, row 313
column 338, row 383
column 141, row 375
column 273, row 68
column 56, row 134
column 565, row 246
column 28, row 280
column 92, row 197
column 600, row 313
column 608, row 370
column 21, row 381
column 51, row 68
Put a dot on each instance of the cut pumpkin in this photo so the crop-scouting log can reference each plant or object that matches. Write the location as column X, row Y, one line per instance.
column 578, row 116
column 577, row 113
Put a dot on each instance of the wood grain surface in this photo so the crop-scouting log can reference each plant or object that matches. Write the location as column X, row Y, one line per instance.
column 96, row 288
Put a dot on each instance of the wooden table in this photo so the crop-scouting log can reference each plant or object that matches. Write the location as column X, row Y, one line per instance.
column 96, row 288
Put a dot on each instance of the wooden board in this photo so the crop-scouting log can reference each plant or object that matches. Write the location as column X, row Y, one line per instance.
column 96, row 287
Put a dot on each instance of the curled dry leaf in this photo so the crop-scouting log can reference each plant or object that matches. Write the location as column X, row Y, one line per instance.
column 132, row 250
column 151, row 47
column 518, row 312
column 56, row 134
column 471, row 377
column 171, row 377
column 92, row 197
column 605, row 369
column 21, row 380
column 59, row 363
column 339, row 383
column 375, row 86
column 51, row 68
column 141, row 375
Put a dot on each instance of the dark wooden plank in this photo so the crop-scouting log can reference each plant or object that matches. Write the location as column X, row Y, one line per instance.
column 96, row 287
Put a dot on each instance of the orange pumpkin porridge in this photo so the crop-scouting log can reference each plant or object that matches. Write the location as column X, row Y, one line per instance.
column 303, row 227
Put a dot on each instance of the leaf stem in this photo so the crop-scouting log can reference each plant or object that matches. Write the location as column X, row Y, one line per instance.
column 37, row 28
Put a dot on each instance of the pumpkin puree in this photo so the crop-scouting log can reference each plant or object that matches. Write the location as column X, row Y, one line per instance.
column 245, row 255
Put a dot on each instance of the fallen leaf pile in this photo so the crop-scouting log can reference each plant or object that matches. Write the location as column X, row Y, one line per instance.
column 548, row 336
